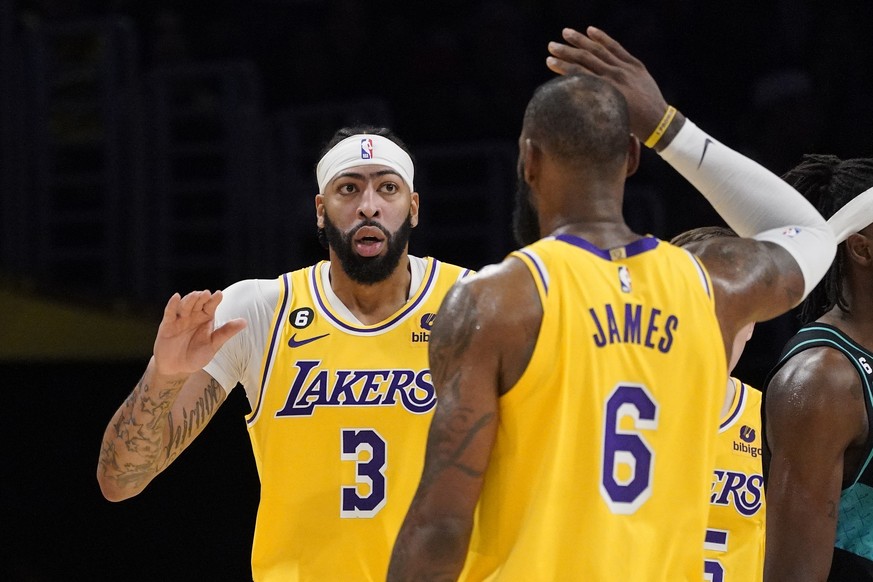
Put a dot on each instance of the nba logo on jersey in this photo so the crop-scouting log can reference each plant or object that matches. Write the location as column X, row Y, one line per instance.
column 624, row 279
column 366, row 148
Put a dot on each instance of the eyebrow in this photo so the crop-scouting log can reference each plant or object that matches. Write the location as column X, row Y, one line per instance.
column 360, row 176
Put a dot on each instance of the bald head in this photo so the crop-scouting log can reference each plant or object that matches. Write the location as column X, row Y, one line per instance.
column 581, row 121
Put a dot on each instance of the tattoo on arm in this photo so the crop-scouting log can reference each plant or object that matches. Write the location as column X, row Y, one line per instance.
column 192, row 421
column 452, row 337
column 456, row 426
column 139, row 432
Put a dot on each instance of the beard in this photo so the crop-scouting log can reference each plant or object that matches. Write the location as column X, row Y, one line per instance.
column 367, row 270
column 525, row 219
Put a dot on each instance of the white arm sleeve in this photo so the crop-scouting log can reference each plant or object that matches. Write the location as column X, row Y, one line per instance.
column 753, row 201
column 856, row 215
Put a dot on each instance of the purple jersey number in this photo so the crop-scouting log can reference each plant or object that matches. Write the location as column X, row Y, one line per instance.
column 369, row 451
column 715, row 540
column 628, row 460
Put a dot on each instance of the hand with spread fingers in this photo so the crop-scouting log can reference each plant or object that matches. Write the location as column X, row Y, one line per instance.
column 187, row 338
column 596, row 53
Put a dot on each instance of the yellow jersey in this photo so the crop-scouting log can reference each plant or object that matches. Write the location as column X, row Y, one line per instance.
column 339, row 429
column 605, row 446
column 734, row 546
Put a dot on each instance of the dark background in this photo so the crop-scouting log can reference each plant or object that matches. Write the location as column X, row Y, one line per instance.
column 150, row 147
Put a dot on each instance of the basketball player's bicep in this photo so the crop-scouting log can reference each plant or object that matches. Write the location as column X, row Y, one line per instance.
column 465, row 377
column 807, row 440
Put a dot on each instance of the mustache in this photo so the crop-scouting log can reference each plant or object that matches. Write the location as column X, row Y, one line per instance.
column 368, row 222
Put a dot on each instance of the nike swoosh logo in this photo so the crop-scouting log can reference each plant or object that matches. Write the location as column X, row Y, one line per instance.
column 296, row 343
column 706, row 143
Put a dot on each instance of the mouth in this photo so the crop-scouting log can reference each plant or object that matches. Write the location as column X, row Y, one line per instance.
column 369, row 241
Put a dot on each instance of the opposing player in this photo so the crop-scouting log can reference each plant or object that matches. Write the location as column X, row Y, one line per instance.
column 333, row 359
column 818, row 400
column 734, row 543
column 580, row 380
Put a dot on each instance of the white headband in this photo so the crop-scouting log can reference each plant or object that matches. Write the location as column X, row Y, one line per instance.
column 362, row 149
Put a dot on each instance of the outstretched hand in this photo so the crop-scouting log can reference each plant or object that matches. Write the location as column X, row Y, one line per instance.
column 598, row 54
column 187, row 339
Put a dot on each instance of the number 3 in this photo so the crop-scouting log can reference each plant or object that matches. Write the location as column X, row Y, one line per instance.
column 369, row 472
column 627, row 449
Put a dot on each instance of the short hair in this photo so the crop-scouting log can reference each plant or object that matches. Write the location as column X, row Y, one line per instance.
column 701, row 234
column 829, row 183
column 580, row 119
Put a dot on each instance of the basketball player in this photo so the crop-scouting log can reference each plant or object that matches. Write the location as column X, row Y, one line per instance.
column 580, row 380
column 734, row 543
column 818, row 405
column 333, row 359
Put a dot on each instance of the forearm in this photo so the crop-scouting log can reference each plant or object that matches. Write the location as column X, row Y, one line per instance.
column 750, row 198
column 753, row 201
column 429, row 550
column 134, row 448
column 800, row 540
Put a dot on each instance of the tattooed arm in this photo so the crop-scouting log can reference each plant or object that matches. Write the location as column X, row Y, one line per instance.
column 480, row 344
column 173, row 401
column 816, row 426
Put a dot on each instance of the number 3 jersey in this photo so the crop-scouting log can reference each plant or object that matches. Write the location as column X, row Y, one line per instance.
column 734, row 544
column 338, row 427
column 605, row 448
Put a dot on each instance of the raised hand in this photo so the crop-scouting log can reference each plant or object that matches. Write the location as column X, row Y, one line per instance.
column 187, row 339
column 598, row 54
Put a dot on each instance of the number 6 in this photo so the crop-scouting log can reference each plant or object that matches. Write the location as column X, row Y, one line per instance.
column 627, row 448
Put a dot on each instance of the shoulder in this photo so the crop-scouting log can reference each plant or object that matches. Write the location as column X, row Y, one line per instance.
column 254, row 289
column 500, row 303
column 500, row 287
column 446, row 269
column 819, row 379
column 250, row 294
column 489, row 320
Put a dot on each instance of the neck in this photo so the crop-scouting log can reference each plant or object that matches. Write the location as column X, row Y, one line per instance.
column 372, row 303
column 605, row 233
column 729, row 397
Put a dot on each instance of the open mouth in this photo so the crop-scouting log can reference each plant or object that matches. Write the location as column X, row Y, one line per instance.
column 369, row 241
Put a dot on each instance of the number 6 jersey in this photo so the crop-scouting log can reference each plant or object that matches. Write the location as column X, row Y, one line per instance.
column 339, row 420
column 605, row 448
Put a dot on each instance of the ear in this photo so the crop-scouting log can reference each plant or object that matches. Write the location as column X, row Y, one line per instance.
column 633, row 155
column 319, row 210
column 413, row 209
column 532, row 156
column 858, row 249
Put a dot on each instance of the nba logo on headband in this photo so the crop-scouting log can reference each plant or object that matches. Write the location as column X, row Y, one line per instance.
column 353, row 150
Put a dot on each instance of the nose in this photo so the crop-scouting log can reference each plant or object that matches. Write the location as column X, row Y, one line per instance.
column 368, row 206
